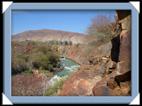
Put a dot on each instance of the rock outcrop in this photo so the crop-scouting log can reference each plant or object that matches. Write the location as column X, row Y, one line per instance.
column 109, row 86
column 120, row 84
column 125, row 40
column 81, row 82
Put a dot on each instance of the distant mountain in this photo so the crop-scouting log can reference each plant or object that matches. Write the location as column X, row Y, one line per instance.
column 49, row 35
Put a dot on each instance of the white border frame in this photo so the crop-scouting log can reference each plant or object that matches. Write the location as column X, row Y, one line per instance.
column 7, row 9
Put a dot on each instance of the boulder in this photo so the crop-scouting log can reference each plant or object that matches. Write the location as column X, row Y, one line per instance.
column 111, row 83
column 110, row 88
column 83, row 87
column 102, row 91
column 125, row 88
column 100, row 87
column 76, row 88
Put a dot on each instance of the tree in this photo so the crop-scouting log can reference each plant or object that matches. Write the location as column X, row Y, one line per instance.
column 101, row 27
column 66, row 42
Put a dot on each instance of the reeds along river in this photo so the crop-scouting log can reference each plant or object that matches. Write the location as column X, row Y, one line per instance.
column 69, row 66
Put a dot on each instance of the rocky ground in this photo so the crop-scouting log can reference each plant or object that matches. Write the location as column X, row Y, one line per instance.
column 94, row 76
column 29, row 84
column 95, row 80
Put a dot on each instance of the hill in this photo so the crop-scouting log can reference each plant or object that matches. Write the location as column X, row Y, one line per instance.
column 49, row 35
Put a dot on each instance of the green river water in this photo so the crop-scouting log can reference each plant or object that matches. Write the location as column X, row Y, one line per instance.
column 69, row 66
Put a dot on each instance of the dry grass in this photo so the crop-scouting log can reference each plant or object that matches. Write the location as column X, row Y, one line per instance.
column 28, row 85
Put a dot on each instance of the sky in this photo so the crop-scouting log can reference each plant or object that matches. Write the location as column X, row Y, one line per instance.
column 66, row 20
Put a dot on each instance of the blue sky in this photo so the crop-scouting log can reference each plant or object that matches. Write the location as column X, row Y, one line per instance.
column 69, row 20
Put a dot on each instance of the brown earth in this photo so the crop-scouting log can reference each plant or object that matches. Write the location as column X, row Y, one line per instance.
column 29, row 84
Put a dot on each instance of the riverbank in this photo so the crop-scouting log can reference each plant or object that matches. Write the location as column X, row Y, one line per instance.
column 91, row 80
column 57, row 81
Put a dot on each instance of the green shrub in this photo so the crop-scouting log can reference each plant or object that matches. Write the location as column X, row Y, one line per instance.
column 19, row 64
column 26, row 56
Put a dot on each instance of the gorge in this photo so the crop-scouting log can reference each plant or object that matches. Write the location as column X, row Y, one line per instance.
column 86, row 63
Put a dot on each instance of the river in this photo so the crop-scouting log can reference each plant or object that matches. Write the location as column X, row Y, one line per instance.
column 69, row 66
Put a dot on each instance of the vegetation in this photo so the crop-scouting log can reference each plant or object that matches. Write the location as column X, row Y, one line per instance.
column 28, row 85
column 28, row 55
column 53, row 90
column 54, row 42
column 101, row 28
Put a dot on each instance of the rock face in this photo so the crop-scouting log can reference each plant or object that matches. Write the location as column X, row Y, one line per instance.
column 125, row 36
column 81, row 82
column 125, row 52
column 115, row 84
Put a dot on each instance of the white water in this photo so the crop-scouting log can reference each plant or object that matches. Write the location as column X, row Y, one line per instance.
column 69, row 66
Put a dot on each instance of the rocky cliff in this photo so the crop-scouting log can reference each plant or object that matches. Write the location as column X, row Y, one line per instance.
column 119, row 83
